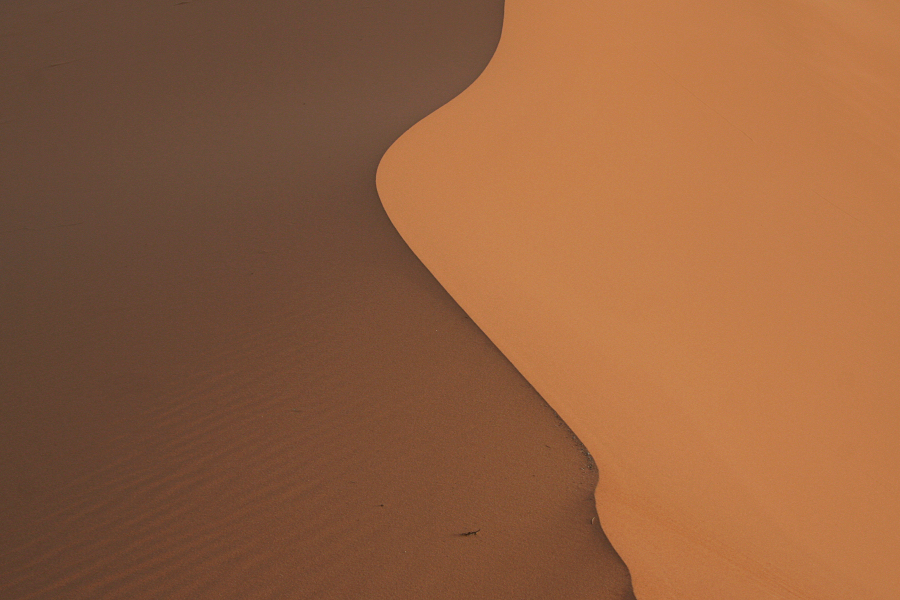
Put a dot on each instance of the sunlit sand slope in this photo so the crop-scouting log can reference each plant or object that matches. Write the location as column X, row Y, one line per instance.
column 681, row 223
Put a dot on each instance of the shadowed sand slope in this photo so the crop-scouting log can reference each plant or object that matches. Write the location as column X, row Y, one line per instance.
column 681, row 224
column 222, row 373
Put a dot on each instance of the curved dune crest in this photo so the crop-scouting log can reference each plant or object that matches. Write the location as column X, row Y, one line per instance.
column 223, row 376
column 681, row 224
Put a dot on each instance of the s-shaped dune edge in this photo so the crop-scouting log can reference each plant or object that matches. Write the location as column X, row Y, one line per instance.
column 681, row 223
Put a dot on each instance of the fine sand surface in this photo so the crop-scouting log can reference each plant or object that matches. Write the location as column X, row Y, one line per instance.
column 681, row 222
column 222, row 372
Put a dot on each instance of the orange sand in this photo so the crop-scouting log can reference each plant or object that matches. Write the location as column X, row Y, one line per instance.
column 681, row 223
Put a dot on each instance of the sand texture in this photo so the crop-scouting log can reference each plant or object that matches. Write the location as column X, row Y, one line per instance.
column 681, row 222
column 222, row 372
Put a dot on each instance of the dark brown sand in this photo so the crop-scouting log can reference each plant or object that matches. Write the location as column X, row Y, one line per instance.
column 222, row 373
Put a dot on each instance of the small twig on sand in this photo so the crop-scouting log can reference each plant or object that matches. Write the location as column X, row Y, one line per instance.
column 62, row 62
column 468, row 533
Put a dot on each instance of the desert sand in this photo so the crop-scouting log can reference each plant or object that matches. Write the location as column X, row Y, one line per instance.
column 222, row 372
column 680, row 221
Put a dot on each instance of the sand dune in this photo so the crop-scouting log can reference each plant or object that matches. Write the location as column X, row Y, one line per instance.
column 222, row 373
column 681, row 223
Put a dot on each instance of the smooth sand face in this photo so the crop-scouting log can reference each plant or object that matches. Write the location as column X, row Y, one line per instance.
column 222, row 372
column 681, row 223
